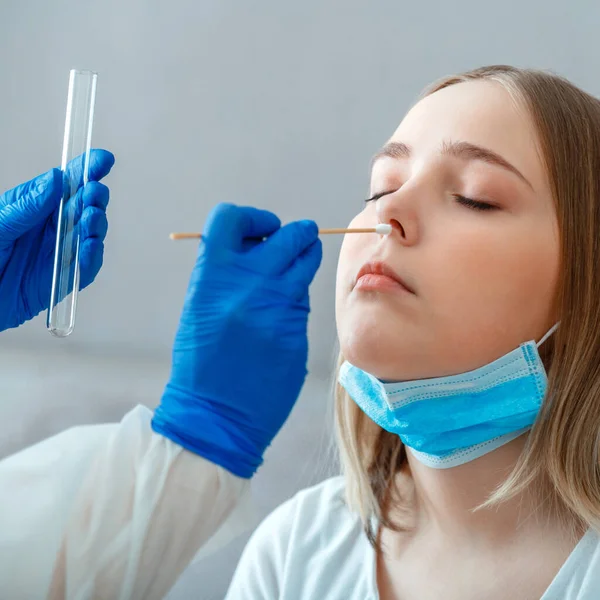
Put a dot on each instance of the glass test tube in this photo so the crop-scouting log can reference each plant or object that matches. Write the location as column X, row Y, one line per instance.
column 76, row 145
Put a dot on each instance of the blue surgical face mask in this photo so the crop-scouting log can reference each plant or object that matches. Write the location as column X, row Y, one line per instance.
column 448, row 421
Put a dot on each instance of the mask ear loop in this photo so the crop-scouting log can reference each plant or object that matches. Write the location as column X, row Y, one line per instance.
column 548, row 334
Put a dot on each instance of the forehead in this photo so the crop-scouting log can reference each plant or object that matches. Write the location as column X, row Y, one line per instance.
column 478, row 112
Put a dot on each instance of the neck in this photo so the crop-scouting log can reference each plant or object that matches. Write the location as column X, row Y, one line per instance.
column 445, row 498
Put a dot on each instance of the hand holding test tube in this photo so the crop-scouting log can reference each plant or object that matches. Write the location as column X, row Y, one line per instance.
column 29, row 215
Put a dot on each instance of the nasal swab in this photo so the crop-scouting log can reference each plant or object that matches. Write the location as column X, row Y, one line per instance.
column 381, row 229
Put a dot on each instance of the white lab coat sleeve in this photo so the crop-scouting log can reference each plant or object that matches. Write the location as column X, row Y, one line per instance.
column 111, row 512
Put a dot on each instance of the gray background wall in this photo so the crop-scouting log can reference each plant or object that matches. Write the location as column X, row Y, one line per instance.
column 275, row 104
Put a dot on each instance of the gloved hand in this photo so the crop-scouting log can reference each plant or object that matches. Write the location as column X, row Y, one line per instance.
column 28, row 221
column 239, row 359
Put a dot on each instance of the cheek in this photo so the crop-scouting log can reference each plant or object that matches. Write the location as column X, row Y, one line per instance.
column 353, row 245
column 352, row 256
column 498, row 290
column 350, row 253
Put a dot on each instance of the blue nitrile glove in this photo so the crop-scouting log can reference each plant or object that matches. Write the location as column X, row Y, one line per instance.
column 239, row 359
column 28, row 220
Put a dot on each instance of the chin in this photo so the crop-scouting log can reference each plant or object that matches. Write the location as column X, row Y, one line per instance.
column 386, row 366
column 373, row 349
column 378, row 338
column 387, row 348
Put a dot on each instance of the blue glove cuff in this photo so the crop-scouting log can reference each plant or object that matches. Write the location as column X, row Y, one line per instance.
column 189, row 422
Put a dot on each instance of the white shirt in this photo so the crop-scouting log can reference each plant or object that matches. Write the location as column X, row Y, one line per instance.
column 111, row 512
column 313, row 547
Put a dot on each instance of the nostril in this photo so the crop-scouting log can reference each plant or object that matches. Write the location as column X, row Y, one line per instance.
column 397, row 225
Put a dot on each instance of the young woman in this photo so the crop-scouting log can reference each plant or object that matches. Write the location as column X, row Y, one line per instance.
column 468, row 395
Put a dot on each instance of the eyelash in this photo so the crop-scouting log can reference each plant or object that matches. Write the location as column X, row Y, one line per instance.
column 474, row 204
column 377, row 196
column 468, row 202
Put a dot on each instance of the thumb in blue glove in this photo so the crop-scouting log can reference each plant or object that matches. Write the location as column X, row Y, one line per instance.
column 28, row 224
column 240, row 353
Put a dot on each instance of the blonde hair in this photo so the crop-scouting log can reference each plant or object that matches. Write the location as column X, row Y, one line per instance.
column 560, row 462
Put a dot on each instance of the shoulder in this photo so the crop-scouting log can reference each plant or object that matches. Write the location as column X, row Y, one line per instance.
column 579, row 577
column 288, row 546
column 302, row 519
column 325, row 497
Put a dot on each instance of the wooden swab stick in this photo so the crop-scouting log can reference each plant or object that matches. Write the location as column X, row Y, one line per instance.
column 382, row 229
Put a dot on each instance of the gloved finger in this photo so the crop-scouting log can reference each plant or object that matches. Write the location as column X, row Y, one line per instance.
column 88, row 221
column 91, row 256
column 72, row 209
column 101, row 162
column 302, row 271
column 96, row 194
column 229, row 225
column 250, row 243
column 29, row 205
column 282, row 248
column 94, row 223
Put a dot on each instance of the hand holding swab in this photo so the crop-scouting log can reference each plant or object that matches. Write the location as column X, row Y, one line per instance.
column 381, row 229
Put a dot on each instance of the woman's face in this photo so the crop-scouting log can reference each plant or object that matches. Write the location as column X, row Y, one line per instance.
column 474, row 238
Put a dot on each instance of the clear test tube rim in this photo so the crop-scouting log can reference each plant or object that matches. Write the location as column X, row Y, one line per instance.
column 54, row 309
column 73, row 73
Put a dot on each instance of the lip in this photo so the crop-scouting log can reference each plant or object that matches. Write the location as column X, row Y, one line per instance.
column 375, row 275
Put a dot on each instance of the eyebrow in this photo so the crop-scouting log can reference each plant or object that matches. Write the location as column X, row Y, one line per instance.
column 464, row 150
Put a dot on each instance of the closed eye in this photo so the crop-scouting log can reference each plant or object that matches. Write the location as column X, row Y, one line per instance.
column 474, row 204
column 380, row 195
column 464, row 200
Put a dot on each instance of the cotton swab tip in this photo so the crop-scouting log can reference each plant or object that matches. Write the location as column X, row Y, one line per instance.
column 383, row 228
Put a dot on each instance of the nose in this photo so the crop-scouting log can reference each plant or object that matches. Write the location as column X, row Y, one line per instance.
column 397, row 209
